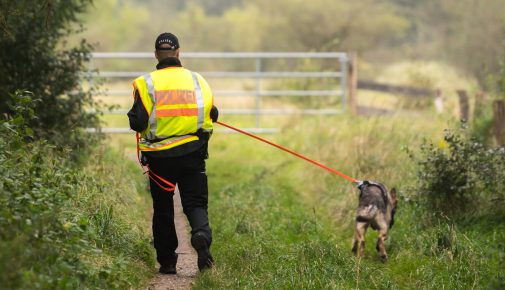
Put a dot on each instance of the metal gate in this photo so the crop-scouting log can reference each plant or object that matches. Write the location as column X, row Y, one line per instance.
column 259, row 68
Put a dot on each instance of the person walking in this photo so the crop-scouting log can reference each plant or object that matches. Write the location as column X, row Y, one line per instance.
column 173, row 113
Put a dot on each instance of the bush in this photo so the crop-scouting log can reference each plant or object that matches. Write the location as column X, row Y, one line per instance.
column 460, row 175
column 33, row 57
column 58, row 231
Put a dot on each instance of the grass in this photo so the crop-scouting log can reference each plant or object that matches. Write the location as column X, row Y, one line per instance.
column 282, row 223
column 279, row 222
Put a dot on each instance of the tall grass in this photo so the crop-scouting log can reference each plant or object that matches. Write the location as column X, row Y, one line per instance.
column 281, row 223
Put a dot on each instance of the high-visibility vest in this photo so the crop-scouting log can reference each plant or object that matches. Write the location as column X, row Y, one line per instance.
column 178, row 102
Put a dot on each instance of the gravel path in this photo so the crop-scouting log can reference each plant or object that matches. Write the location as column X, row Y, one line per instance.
column 186, row 264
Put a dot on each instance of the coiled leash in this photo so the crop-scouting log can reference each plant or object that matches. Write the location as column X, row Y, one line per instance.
column 359, row 182
column 168, row 185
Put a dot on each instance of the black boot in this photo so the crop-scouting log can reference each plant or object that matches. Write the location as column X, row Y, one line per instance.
column 170, row 267
column 202, row 247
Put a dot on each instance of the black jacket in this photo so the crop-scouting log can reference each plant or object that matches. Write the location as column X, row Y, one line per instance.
column 139, row 119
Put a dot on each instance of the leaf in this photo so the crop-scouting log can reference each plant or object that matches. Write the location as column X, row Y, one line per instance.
column 29, row 131
column 18, row 120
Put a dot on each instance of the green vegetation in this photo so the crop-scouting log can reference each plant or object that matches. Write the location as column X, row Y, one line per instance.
column 281, row 223
column 466, row 34
column 68, row 227
column 33, row 57
column 460, row 177
column 74, row 213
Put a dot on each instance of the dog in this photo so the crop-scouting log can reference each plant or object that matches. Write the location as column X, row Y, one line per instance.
column 376, row 208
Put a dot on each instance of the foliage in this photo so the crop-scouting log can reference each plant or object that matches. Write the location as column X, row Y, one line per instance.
column 483, row 120
column 126, row 31
column 33, row 58
column 460, row 176
column 258, row 25
column 58, row 229
column 467, row 34
column 321, row 26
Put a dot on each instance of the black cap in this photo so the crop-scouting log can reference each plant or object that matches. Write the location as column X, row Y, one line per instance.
column 166, row 38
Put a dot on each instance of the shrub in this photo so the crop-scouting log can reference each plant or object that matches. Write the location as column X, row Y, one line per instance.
column 460, row 175
column 58, row 231
column 33, row 57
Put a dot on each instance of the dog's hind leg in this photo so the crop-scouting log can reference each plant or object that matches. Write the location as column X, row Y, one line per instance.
column 381, row 248
column 359, row 238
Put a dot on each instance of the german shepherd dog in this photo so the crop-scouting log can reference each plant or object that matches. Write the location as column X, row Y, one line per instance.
column 376, row 208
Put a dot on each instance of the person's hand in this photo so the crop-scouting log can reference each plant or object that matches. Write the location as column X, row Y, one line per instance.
column 214, row 114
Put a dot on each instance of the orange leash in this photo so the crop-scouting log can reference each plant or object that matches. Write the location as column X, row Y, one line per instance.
column 168, row 185
column 292, row 152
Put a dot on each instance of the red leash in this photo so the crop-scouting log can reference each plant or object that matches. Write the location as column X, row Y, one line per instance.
column 292, row 152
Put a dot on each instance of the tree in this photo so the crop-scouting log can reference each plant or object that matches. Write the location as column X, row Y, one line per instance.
column 465, row 33
column 33, row 57
column 291, row 25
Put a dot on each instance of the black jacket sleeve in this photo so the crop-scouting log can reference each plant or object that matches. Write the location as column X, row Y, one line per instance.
column 214, row 114
column 138, row 115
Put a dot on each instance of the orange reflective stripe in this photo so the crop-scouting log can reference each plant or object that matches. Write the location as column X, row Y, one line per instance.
column 177, row 112
column 175, row 97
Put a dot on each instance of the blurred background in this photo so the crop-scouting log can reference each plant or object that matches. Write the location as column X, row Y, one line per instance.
column 464, row 37
column 405, row 56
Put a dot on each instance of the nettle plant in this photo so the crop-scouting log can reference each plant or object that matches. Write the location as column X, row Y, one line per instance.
column 460, row 175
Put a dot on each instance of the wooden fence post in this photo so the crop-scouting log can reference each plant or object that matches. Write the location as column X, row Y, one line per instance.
column 352, row 83
column 439, row 101
column 463, row 105
column 499, row 121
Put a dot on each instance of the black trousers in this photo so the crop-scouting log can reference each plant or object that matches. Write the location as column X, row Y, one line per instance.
column 188, row 172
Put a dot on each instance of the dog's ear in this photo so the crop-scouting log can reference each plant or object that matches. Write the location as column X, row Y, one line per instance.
column 393, row 196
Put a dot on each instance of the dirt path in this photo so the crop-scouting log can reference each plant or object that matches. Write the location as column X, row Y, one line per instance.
column 186, row 264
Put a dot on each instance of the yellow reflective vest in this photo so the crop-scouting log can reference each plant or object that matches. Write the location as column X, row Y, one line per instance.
column 178, row 102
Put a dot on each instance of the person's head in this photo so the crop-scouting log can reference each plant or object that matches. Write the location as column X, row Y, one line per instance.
column 166, row 45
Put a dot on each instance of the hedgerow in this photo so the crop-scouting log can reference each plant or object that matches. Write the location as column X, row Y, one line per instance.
column 59, row 229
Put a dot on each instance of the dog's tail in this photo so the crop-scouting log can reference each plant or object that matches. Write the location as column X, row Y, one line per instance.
column 366, row 213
